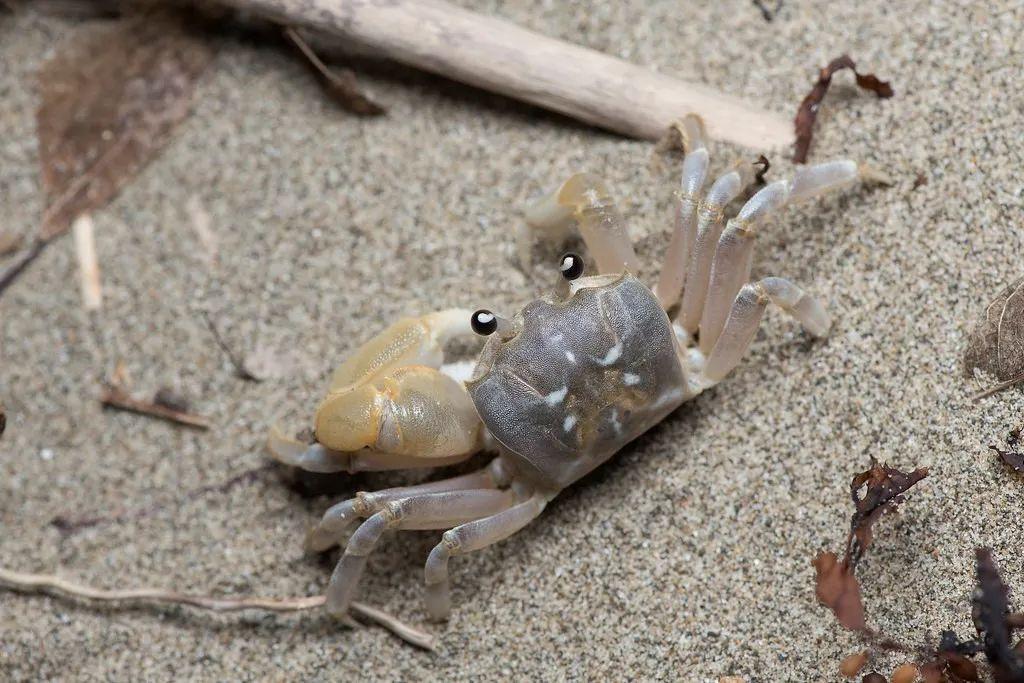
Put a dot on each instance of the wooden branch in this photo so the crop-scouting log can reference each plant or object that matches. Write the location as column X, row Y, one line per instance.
column 497, row 55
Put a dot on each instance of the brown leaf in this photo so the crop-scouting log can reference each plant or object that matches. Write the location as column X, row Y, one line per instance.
column 341, row 84
column 996, row 344
column 838, row 589
column 883, row 493
column 808, row 111
column 110, row 99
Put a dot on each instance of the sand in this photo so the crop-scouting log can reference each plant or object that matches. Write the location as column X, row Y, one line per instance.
column 686, row 558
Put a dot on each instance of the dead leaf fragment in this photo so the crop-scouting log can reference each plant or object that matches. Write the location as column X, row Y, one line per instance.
column 996, row 344
column 808, row 111
column 990, row 611
column 341, row 84
column 110, row 100
column 838, row 589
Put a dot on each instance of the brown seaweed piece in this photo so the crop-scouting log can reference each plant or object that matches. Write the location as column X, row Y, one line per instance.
column 808, row 111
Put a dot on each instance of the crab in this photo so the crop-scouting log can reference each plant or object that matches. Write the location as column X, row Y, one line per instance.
column 559, row 388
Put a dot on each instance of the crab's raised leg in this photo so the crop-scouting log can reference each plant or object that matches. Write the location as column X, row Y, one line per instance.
column 426, row 511
column 710, row 219
column 339, row 518
column 584, row 200
column 467, row 538
column 731, row 267
column 687, row 200
column 745, row 317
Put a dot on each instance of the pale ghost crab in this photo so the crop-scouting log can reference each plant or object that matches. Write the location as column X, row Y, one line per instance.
column 559, row 388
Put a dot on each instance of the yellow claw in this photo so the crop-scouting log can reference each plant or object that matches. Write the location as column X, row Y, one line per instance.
column 412, row 410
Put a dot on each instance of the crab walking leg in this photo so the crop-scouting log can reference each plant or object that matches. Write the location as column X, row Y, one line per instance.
column 340, row 517
column 746, row 316
column 731, row 267
column 695, row 172
column 467, row 538
column 318, row 458
column 427, row 511
column 710, row 217
column 583, row 198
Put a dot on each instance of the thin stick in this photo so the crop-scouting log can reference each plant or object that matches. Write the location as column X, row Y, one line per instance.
column 998, row 387
column 48, row 583
column 497, row 55
column 237, row 362
column 116, row 397
column 85, row 247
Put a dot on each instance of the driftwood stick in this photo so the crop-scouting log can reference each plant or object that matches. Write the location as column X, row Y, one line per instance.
column 497, row 55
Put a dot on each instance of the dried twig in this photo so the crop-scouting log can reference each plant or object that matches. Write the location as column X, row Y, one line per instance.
column 241, row 370
column 497, row 55
column 995, row 389
column 69, row 526
column 89, row 269
column 115, row 396
column 340, row 83
column 44, row 583
column 768, row 14
column 808, row 111
column 19, row 266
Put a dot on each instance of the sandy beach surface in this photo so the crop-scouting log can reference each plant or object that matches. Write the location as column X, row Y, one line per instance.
column 688, row 556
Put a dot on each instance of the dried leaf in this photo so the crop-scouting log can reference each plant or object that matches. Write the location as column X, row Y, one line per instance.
column 110, row 100
column 838, row 589
column 340, row 83
column 996, row 345
column 808, row 111
column 885, row 486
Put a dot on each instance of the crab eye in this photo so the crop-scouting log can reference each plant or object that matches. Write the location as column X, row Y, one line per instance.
column 484, row 322
column 571, row 266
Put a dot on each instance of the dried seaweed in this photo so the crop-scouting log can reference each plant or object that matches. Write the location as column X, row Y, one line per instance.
column 990, row 611
column 808, row 111
column 836, row 585
column 110, row 100
column 996, row 344
column 340, row 84
column 1012, row 458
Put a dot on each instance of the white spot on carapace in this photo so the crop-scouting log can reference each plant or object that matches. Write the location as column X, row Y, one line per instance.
column 570, row 356
column 569, row 423
column 669, row 397
column 556, row 397
column 612, row 355
column 630, row 379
